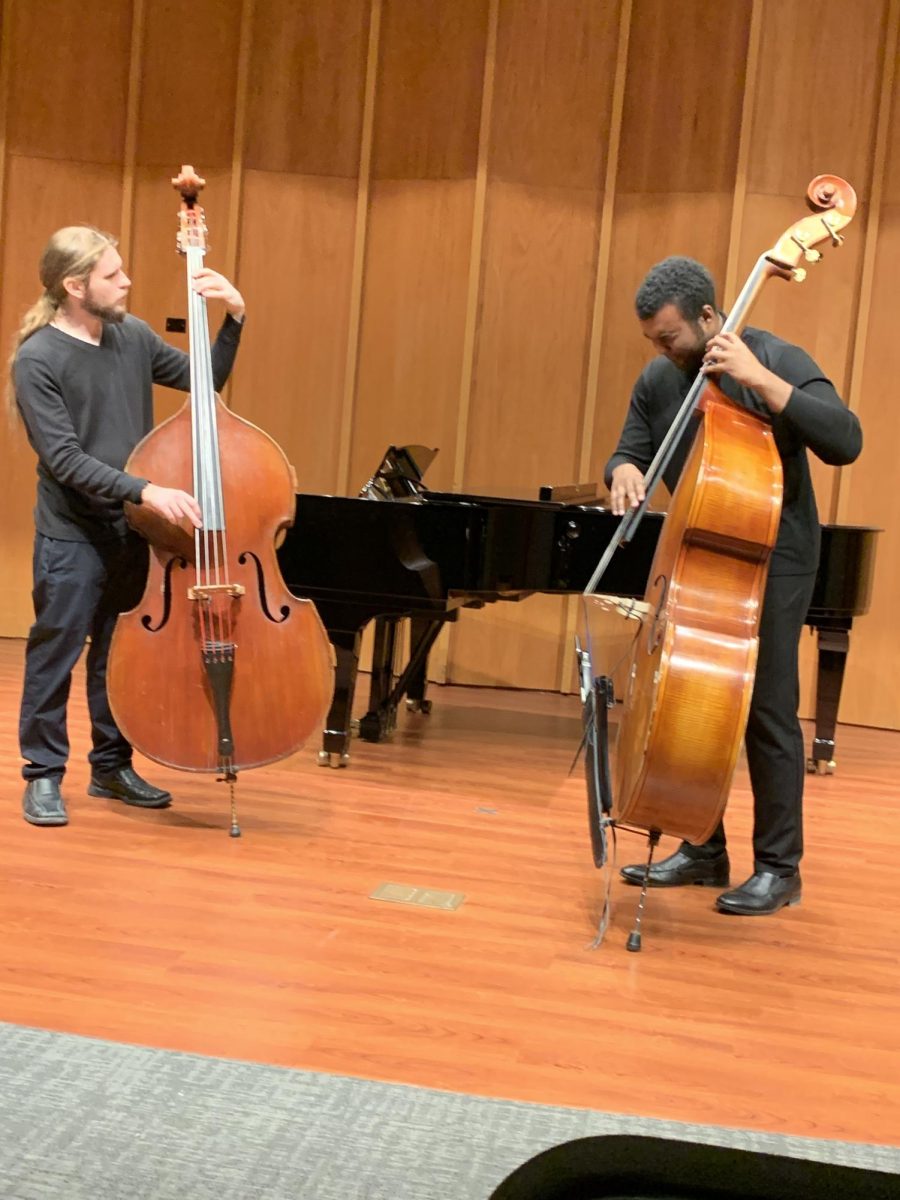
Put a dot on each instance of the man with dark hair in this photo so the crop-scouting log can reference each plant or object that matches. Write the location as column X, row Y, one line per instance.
column 680, row 281
column 82, row 376
column 677, row 312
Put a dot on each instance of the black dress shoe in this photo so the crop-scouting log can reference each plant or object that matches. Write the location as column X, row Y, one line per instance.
column 43, row 804
column 125, row 784
column 680, row 868
column 763, row 893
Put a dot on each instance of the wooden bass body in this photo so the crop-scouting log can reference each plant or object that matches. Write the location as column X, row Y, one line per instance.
column 689, row 687
column 281, row 675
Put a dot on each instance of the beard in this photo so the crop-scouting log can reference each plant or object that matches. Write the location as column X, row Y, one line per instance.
column 104, row 312
column 690, row 361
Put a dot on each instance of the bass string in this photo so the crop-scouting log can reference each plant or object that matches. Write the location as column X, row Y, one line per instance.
column 210, row 542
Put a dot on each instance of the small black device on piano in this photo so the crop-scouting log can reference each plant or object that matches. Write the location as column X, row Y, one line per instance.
column 399, row 550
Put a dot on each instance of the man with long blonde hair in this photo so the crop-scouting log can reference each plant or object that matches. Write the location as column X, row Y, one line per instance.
column 82, row 372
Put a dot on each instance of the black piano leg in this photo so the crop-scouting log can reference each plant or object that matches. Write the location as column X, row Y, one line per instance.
column 381, row 719
column 832, row 650
column 418, row 677
column 335, row 750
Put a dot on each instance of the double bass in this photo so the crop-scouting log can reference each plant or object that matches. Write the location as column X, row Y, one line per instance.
column 691, row 675
column 219, row 668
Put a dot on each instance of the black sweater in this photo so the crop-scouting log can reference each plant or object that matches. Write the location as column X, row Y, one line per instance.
column 814, row 417
column 86, row 407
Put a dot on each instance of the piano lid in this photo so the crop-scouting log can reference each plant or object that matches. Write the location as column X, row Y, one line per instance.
column 399, row 476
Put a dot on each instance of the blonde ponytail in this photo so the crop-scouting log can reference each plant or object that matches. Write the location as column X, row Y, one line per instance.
column 71, row 253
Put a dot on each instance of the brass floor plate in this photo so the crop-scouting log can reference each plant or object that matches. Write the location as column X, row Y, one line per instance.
column 401, row 893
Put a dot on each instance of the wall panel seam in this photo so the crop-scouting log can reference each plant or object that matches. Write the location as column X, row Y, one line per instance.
column 604, row 240
column 870, row 244
column 732, row 260
column 8, row 13
column 351, row 366
column 442, row 668
column 476, row 249
column 236, row 189
column 571, row 609
column 132, row 113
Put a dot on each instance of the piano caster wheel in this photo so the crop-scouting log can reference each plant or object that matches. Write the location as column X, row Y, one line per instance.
column 354, row 727
column 329, row 759
column 419, row 706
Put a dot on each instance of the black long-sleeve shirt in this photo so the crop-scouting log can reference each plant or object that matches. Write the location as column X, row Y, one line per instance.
column 86, row 407
column 814, row 417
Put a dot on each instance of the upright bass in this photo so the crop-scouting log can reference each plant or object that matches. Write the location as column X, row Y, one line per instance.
column 691, row 677
column 219, row 668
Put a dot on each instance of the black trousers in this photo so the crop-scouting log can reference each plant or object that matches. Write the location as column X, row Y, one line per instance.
column 774, row 741
column 79, row 590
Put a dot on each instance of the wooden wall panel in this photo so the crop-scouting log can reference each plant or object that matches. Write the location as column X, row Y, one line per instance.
column 546, row 164
column 70, row 72
column 535, row 315
column 872, row 693
column 411, row 338
column 519, row 645
column 891, row 194
column 837, row 51
column 188, row 75
column 527, row 400
column 184, row 116
column 419, row 200
column 872, row 689
column 834, row 50
column 553, row 96
column 683, row 100
column 296, row 253
column 429, row 89
column 820, row 65
column 424, row 150
column 302, row 156
column 307, row 72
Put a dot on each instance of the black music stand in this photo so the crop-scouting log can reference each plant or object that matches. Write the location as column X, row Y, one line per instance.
column 399, row 474
column 597, row 698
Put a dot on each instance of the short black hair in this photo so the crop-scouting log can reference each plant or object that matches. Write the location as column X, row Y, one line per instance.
column 680, row 281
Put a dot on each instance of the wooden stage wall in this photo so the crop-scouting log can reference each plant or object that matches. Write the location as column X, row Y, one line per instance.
column 439, row 210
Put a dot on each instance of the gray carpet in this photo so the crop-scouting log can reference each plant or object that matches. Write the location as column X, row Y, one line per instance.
column 84, row 1118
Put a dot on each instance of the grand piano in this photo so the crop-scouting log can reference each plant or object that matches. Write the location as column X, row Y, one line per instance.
column 400, row 551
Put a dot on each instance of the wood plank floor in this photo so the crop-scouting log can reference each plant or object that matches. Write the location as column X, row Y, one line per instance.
column 157, row 928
